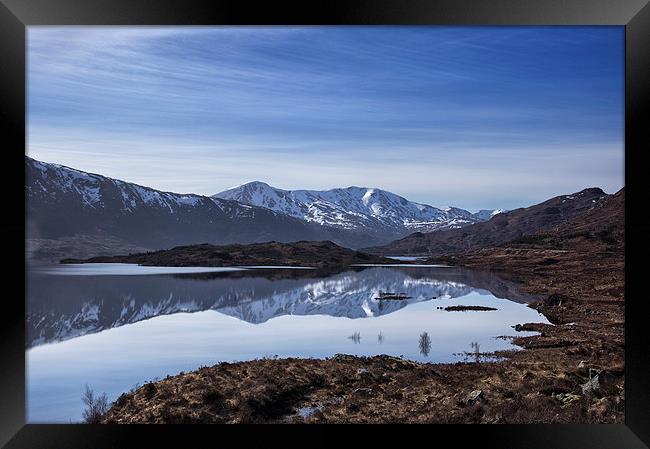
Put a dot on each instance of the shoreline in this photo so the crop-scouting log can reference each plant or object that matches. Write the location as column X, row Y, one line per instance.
column 543, row 382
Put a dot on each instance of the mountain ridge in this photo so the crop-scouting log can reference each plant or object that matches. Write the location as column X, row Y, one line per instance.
column 501, row 228
column 369, row 208
column 62, row 202
column 73, row 213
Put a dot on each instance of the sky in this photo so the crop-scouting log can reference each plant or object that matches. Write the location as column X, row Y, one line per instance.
column 473, row 117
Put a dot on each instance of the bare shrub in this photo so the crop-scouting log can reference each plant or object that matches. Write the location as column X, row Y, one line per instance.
column 96, row 406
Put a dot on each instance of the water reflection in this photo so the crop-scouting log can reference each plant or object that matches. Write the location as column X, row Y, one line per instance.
column 356, row 337
column 64, row 307
column 476, row 349
column 475, row 354
column 425, row 344
column 115, row 331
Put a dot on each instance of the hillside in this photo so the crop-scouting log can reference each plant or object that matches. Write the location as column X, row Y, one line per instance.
column 584, row 257
column 501, row 228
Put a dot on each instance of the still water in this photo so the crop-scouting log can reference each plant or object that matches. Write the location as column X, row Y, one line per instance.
column 115, row 326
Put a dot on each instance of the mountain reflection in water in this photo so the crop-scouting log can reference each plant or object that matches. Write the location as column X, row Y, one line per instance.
column 64, row 307
column 114, row 332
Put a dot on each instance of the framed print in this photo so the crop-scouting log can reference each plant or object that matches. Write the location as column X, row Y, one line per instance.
column 327, row 214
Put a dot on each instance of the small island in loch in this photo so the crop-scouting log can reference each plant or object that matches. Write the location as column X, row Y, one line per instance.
column 323, row 254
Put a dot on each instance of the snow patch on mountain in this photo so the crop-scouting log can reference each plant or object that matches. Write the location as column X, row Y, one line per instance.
column 486, row 214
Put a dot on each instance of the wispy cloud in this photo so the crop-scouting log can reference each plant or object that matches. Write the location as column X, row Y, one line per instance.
column 475, row 117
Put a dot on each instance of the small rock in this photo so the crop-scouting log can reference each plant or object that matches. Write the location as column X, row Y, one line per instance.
column 366, row 375
column 601, row 378
column 567, row 398
column 474, row 397
column 362, row 391
column 581, row 364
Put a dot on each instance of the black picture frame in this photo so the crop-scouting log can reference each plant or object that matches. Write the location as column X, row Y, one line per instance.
column 15, row 15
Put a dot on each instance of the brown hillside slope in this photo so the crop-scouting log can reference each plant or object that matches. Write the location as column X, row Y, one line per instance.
column 500, row 229
column 583, row 258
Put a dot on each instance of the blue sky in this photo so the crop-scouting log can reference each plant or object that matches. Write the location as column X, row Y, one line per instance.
column 475, row 117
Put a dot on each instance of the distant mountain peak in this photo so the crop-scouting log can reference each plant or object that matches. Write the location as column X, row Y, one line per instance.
column 253, row 184
column 365, row 209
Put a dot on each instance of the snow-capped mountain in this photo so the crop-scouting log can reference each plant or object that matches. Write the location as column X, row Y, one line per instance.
column 72, row 213
column 486, row 214
column 63, row 202
column 353, row 208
